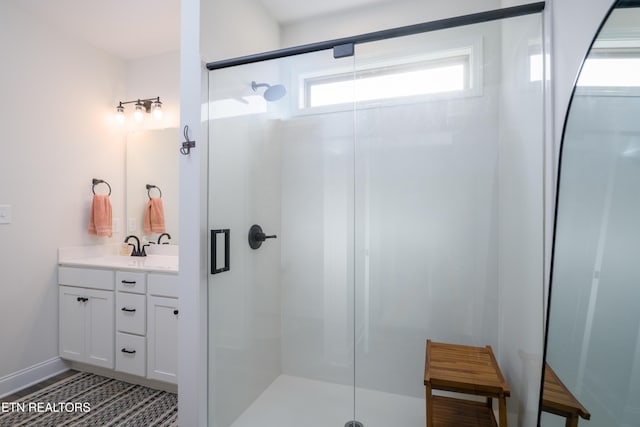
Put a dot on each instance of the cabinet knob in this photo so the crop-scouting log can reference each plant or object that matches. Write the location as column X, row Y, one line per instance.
column 129, row 310
column 128, row 282
column 175, row 312
column 82, row 299
column 124, row 350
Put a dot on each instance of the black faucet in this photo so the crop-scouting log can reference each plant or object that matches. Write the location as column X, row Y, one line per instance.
column 137, row 250
column 160, row 238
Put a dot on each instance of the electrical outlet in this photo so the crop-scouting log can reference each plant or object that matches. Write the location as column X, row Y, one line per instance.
column 5, row 214
column 116, row 225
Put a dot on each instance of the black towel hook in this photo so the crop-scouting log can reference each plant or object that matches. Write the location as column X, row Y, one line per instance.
column 96, row 181
column 151, row 186
column 187, row 145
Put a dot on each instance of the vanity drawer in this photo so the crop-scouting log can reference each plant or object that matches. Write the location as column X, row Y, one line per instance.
column 131, row 313
column 131, row 354
column 129, row 281
column 86, row 278
column 165, row 285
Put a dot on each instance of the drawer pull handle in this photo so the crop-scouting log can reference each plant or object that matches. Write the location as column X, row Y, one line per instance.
column 175, row 312
column 129, row 282
column 124, row 350
column 82, row 299
column 129, row 310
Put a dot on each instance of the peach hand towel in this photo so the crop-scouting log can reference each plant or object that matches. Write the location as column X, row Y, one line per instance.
column 154, row 216
column 100, row 216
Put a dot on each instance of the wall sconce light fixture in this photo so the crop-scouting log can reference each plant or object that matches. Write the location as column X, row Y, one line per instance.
column 149, row 105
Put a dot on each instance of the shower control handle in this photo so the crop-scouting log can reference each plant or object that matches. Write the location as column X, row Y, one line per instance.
column 257, row 236
column 261, row 237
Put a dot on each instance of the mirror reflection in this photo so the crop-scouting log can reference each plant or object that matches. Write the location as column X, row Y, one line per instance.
column 593, row 340
column 152, row 185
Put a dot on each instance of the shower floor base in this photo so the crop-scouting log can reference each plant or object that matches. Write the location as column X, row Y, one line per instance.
column 293, row 401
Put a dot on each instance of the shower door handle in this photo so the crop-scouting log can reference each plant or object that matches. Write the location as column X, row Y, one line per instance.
column 215, row 253
column 257, row 236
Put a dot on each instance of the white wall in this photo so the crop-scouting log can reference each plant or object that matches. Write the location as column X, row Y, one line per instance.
column 238, row 28
column 377, row 17
column 152, row 76
column 58, row 95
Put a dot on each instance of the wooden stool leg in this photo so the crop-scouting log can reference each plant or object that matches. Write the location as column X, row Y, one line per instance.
column 502, row 407
column 429, row 406
column 572, row 421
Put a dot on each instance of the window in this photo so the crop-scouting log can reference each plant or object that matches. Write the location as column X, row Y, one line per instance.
column 443, row 73
column 621, row 71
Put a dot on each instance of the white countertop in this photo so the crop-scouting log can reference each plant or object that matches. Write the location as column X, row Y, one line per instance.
column 106, row 257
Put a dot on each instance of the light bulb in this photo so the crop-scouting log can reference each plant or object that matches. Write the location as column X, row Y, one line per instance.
column 139, row 113
column 120, row 114
column 157, row 109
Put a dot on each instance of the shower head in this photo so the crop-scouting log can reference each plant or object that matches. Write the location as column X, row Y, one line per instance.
column 273, row 93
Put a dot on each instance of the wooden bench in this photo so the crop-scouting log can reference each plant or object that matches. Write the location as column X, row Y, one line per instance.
column 468, row 370
column 558, row 400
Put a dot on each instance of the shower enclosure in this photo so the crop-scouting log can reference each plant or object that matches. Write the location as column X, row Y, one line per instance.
column 397, row 186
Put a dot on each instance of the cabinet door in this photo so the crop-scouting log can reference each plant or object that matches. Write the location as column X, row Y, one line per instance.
column 100, row 328
column 162, row 339
column 72, row 325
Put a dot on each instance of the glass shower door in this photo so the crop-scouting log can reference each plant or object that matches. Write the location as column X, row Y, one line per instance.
column 281, row 295
column 444, row 122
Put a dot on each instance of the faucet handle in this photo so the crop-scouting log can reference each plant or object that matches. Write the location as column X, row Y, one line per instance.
column 134, row 252
column 142, row 251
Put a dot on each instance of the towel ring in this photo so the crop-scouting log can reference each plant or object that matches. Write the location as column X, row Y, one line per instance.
column 99, row 181
column 150, row 187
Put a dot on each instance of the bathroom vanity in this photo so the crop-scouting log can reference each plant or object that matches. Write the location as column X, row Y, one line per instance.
column 120, row 313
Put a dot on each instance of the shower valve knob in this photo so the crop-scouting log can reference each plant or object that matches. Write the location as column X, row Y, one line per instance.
column 257, row 236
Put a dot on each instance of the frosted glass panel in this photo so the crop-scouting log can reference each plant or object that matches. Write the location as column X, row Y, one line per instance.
column 594, row 321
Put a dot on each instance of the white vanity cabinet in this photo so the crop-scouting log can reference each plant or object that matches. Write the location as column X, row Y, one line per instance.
column 86, row 316
column 162, row 323
column 120, row 319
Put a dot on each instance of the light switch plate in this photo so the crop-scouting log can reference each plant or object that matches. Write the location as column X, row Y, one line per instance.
column 5, row 214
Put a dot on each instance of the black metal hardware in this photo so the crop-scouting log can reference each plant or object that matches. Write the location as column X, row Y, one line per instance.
column 343, row 50
column 214, row 250
column 187, row 145
column 128, row 282
column 175, row 312
column 124, row 350
column 143, row 103
column 151, row 187
column 137, row 250
column 82, row 299
column 161, row 236
column 96, row 181
column 256, row 236
column 129, row 310
column 425, row 27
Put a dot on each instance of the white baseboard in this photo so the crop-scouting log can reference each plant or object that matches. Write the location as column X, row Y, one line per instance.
column 32, row 375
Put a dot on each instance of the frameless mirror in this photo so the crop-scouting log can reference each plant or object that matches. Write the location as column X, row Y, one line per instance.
column 152, row 159
column 592, row 373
